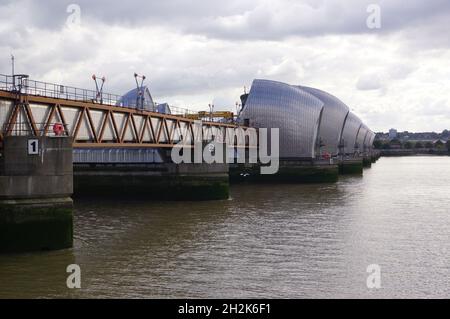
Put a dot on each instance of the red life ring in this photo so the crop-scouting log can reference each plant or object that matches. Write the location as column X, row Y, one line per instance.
column 58, row 129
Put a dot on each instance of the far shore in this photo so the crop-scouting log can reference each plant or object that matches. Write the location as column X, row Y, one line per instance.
column 413, row 152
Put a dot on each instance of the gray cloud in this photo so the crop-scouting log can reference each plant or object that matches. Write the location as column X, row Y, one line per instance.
column 195, row 53
column 369, row 82
column 234, row 19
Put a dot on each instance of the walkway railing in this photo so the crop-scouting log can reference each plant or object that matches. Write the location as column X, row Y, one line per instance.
column 22, row 84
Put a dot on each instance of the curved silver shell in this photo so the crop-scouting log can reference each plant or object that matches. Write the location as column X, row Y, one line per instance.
column 311, row 122
column 294, row 111
column 333, row 120
column 130, row 99
column 351, row 129
column 361, row 137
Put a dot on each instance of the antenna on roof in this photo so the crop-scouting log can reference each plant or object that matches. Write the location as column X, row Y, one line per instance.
column 12, row 64
column 140, row 89
column 99, row 90
column 12, row 71
column 211, row 111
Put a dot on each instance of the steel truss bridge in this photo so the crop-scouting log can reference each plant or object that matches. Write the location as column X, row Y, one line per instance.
column 35, row 108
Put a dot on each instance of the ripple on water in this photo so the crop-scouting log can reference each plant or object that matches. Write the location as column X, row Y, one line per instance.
column 267, row 241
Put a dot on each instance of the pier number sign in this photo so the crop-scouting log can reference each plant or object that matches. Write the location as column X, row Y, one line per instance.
column 33, row 146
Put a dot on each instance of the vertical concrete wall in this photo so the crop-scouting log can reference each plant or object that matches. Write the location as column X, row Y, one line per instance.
column 289, row 171
column 154, row 181
column 157, row 181
column 35, row 189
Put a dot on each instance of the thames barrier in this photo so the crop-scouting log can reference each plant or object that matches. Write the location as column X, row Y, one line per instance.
column 59, row 142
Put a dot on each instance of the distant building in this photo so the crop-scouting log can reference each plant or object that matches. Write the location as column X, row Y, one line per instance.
column 392, row 133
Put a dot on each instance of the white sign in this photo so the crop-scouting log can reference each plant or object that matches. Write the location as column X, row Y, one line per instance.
column 33, row 146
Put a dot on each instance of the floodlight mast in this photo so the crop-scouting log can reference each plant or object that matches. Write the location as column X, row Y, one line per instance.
column 99, row 90
column 12, row 71
column 140, row 90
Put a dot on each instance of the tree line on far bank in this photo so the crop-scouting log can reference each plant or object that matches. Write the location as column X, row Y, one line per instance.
column 398, row 144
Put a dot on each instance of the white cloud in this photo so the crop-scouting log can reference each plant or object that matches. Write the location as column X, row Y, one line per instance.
column 199, row 53
column 369, row 82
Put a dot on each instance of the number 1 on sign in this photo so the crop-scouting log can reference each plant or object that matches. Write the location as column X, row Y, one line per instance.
column 33, row 147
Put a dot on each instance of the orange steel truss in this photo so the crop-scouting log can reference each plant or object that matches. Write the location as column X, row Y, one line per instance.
column 98, row 125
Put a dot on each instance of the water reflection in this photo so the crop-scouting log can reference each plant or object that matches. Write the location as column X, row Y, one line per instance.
column 266, row 241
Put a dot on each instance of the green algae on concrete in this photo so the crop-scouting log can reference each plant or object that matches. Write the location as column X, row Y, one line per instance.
column 367, row 162
column 35, row 204
column 351, row 167
column 287, row 173
column 154, row 187
column 32, row 225
column 375, row 158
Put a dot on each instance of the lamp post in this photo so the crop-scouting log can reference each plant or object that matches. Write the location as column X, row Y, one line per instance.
column 12, row 71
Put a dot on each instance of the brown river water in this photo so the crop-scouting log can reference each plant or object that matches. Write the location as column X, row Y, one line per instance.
column 269, row 241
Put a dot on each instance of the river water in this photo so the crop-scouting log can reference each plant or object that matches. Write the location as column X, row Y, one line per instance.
column 275, row 241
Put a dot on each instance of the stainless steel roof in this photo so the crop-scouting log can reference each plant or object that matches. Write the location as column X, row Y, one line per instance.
column 272, row 104
column 332, row 122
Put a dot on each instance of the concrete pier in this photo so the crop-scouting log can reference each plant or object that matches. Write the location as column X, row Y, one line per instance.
column 351, row 166
column 367, row 161
column 156, row 181
column 375, row 156
column 290, row 171
column 35, row 190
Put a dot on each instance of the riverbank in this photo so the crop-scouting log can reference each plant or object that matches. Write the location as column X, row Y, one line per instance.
column 413, row 152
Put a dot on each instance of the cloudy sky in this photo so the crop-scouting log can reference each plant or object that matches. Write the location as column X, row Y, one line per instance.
column 197, row 52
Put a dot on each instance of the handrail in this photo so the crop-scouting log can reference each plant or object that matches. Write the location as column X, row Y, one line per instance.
column 22, row 84
column 24, row 128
